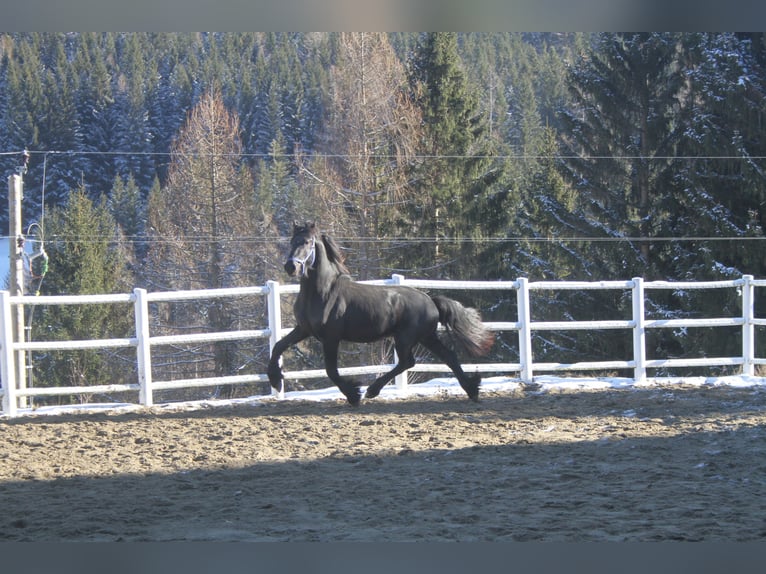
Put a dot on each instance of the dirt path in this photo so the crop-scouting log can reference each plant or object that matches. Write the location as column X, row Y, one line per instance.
column 667, row 463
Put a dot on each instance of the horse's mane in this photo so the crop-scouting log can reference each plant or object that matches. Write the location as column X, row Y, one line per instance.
column 334, row 254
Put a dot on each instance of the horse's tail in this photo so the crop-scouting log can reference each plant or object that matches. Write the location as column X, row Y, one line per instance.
column 466, row 326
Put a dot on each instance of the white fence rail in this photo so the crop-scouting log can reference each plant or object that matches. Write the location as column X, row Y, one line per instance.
column 13, row 390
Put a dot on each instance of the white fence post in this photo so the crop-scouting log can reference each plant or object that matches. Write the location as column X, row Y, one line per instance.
column 143, row 348
column 7, row 358
column 525, row 331
column 273, row 301
column 748, row 329
column 639, row 331
column 400, row 380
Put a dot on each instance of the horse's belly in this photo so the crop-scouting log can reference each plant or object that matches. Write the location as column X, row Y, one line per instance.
column 357, row 331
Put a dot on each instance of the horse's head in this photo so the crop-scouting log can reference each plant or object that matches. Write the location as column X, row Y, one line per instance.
column 303, row 252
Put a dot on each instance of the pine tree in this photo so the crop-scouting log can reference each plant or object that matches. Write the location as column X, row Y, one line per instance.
column 171, row 97
column 126, row 205
column 133, row 137
column 87, row 256
column 93, row 101
column 619, row 138
column 717, row 190
column 455, row 182
column 655, row 148
column 278, row 195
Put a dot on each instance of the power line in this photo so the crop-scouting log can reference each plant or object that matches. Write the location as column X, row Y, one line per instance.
column 391, row 240
column 390, row 156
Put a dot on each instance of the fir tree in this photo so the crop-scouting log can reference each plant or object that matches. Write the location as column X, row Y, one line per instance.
column 715, row 189
column 128, row 209
column 455, row 182
column 620, row 135
column 93, row 102
column 87, row 256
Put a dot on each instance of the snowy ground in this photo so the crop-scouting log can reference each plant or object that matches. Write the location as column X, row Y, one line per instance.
column 436, row 386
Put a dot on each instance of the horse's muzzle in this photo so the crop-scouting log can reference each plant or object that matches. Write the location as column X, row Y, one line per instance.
column 290, row 268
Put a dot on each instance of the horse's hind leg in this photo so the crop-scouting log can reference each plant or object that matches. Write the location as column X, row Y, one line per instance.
column 469, row 383
column 348, row 387
column 406, row 361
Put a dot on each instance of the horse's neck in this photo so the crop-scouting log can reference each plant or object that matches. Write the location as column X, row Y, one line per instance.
column 323, row 277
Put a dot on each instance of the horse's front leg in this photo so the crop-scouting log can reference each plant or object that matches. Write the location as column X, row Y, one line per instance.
column 275, row 368
column 348, row 387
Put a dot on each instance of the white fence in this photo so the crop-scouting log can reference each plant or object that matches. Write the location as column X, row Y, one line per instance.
column 143, row 341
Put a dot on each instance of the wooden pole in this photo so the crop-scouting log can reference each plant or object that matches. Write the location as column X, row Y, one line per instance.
column 16, row 286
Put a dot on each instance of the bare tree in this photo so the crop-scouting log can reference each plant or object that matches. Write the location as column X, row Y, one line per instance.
column 200, row 229
column 368, row 145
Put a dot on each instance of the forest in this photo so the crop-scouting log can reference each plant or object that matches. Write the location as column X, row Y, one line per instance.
column 181, row 160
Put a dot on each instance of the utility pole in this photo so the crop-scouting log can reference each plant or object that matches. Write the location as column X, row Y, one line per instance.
column 16, row 254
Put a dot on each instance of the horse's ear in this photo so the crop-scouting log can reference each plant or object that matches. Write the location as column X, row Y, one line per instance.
column 307, row 226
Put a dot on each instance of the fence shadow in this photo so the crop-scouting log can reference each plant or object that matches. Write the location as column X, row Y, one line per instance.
column 701, row 487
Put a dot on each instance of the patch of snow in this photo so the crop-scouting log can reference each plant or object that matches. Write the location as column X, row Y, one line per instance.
column 434, row 387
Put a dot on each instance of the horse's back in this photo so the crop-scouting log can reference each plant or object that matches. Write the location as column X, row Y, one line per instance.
column 373, row 311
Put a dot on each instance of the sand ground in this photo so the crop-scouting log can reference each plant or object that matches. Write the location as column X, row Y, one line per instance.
column 661, row 463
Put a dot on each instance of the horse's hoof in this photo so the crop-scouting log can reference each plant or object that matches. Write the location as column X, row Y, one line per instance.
column 276, row 380
column 371, row 394
column 277, row 385
column 474, row 384
column 354, row 399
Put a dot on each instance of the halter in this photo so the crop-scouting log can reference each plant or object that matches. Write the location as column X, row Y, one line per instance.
column 311, row 255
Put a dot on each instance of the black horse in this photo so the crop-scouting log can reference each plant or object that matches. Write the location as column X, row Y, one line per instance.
column 334, row 308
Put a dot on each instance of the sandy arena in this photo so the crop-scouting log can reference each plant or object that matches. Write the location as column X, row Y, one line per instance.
column 659, row 463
